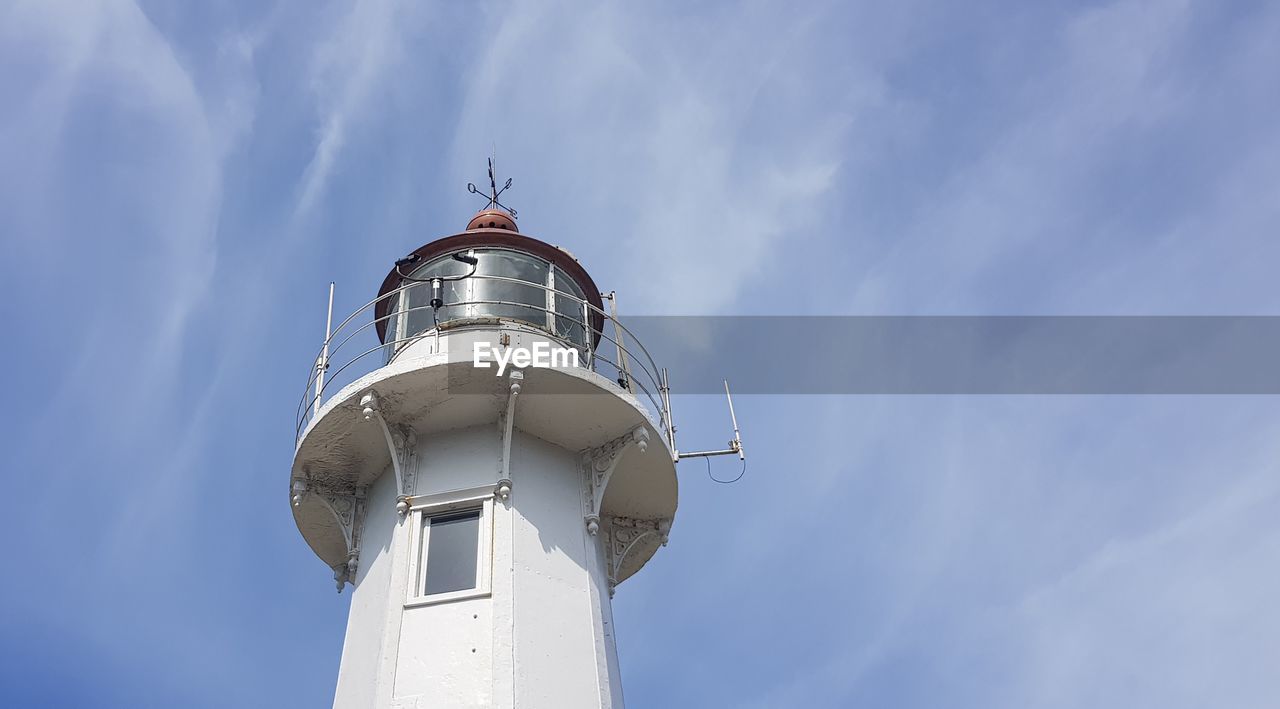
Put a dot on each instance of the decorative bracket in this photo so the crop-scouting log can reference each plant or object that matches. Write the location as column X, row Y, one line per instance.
column 599, row 464
column 624, row 534
column 348, row 508
column 401, row 444
column 506, row 423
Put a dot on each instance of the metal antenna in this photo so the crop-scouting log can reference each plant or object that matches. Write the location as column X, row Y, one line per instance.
column 494, row 192
column 735, row 445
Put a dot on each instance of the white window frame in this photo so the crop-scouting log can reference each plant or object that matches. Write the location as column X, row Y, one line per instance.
column 421, row 510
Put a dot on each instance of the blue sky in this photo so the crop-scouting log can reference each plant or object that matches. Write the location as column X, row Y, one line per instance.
column 180, row 181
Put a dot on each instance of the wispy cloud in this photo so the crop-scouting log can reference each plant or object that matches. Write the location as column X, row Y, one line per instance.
column 128, row 143
column 1176, row 616
column 154, row 189
column 163, row 167
column 680, row 157
column 350, row 67
column 1110, row 159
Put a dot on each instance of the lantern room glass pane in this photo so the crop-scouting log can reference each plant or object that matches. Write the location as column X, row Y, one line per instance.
column 570, row 315
column 510, row 264
column 418, row 316
column 452, row 551
column 441, row 267
column 391, row 321
column 483, row 295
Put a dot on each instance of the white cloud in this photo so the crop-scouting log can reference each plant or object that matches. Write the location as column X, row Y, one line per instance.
column 1180, row 616
column 1126, row 155
column 128, row 150
column 674, row 162
column 685, row 161
column 350, row 68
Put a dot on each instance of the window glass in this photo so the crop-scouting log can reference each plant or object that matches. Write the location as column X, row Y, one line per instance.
column 516, row 301
column 509, row 264
column 419, row 316
column 569, row 312
column 441, row 266
column 452, row 547
column 391, row 321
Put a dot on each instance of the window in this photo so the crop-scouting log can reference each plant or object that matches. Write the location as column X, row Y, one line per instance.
column 451, row 547
column 450, row 560
column 570, row 311
column 494, row 298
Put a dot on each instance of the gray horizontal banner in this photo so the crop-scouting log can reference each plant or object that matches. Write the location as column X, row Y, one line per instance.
column 959, row 355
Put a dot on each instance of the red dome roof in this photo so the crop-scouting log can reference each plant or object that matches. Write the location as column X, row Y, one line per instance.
column 492, row 219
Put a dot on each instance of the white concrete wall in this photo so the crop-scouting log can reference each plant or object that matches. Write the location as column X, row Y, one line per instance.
column 370, row 601
column 542, row 638
column 555, row 626
column 459, row 344
column 444, row 655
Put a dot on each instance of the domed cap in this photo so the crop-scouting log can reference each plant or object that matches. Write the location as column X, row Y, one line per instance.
column 492, row 219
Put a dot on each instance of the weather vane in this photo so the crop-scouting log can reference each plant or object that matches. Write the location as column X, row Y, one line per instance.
column 494, row 192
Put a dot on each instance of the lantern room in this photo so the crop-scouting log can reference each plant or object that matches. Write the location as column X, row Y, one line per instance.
column 489, row 273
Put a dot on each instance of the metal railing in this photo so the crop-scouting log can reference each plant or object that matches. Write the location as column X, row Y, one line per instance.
column 634, row 370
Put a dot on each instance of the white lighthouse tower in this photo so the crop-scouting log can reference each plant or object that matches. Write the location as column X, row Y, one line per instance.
column 483, row 515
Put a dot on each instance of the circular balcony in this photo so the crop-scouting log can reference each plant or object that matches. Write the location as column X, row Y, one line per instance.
column 504, row 289
column 413, row 345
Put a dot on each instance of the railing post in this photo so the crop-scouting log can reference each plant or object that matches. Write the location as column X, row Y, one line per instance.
column 398, row 335
column 666, row 413
column 322, row 364
column 587, row 334
column 622, row 351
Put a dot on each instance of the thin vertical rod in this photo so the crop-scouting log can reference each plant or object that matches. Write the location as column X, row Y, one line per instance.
column 588, row 336
column 737, row 435
column 666, row 405
column 622, row 352
column 322, row 364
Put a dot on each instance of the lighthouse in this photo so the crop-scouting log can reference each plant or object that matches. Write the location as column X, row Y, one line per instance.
column 484, row 453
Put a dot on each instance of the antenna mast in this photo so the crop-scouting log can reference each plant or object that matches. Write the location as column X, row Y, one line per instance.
column 735, row 445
